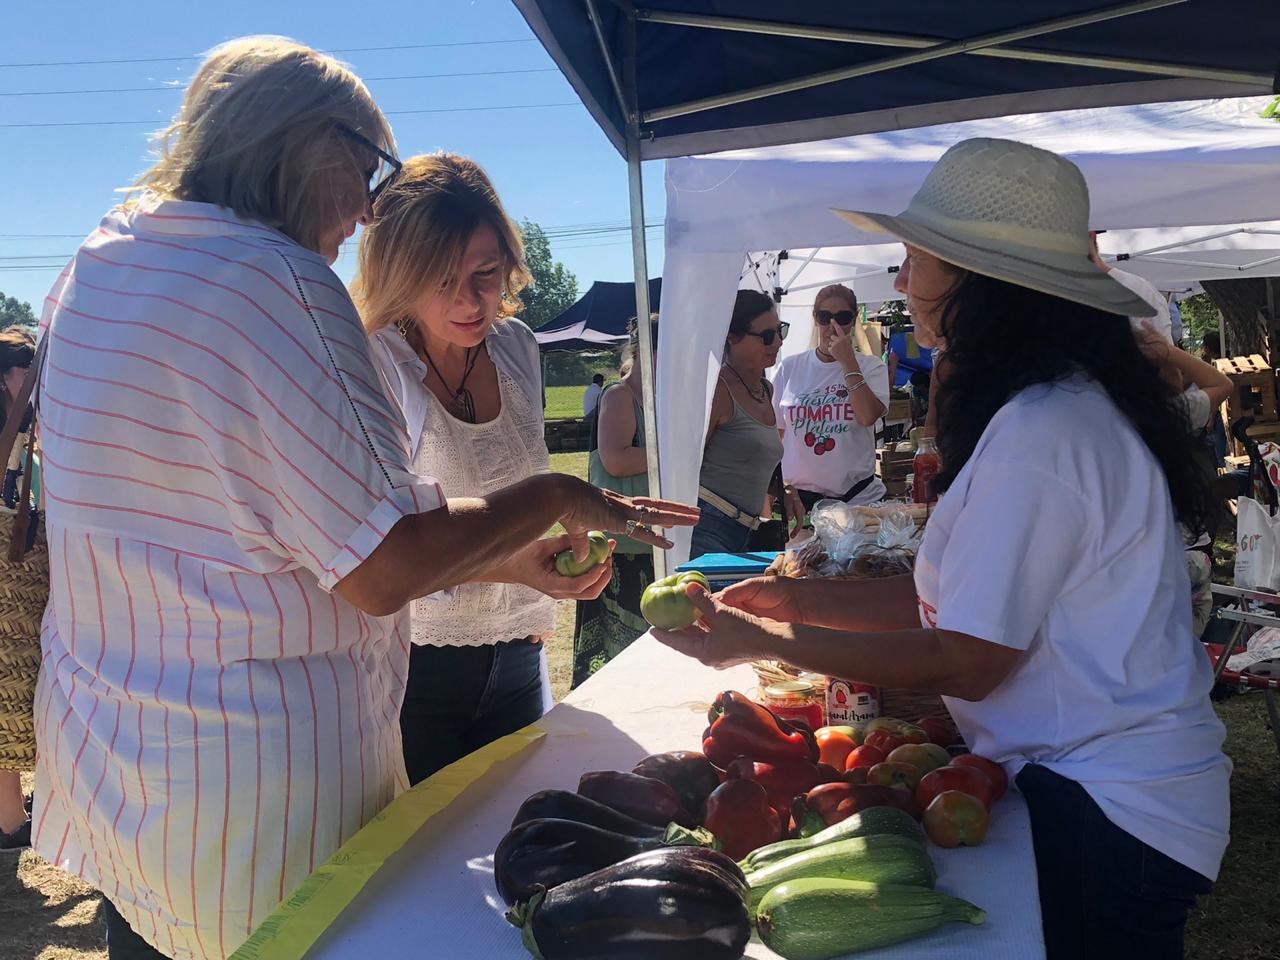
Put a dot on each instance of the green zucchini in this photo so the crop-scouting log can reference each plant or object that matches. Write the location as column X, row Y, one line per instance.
column 873, row 820
column 816, row 919
column 886, row 858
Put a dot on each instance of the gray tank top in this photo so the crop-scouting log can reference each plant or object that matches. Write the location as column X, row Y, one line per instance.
column 740, row 460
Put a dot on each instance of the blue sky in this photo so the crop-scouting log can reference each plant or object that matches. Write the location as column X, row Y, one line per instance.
column 550, row 164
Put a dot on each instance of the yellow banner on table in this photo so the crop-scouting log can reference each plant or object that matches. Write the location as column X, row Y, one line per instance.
column 298, row 922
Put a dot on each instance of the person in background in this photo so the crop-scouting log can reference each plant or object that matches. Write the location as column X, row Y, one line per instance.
column 440, row 272
column 827, row 401
column 592, row 395
column 744, row 445
column 617, row 461
column 1162, row 321
column 1175, row 320
column 17, row 350
column 1210, row 351
column 1203, row 390
column 1049, row 604
column 229, row 482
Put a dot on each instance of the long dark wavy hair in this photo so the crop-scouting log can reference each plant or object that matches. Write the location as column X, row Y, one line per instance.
column 1001, row 338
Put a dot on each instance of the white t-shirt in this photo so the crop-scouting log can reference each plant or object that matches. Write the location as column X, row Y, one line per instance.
column 825, row 449
column 1144, row 289
column 591, row 398
column 1058, row 538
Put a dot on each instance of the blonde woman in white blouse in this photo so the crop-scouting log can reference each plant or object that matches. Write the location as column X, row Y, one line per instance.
column 440, row 270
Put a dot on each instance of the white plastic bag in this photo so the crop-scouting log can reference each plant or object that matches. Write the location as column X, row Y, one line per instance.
column 1257, row 547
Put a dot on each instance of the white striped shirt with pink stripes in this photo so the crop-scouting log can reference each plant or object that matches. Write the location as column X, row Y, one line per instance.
column 213, row 721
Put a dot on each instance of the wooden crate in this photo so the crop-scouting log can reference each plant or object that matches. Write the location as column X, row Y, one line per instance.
column 892, row 465
column 1253, row 392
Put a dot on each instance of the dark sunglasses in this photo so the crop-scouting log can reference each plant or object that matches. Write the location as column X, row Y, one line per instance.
column 394, row 164
column 842, row 317
column 773, row 333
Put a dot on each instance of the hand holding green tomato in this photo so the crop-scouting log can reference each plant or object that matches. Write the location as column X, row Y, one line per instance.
column 665, row 603
column 597, row 553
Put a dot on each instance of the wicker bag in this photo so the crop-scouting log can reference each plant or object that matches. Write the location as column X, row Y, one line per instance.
column 24, row 591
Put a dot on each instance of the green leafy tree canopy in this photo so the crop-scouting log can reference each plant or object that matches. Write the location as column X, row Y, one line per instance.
column 13, row 310
column 554, row 288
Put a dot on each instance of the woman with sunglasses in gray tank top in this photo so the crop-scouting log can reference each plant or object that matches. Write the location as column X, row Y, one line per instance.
column 743, row 446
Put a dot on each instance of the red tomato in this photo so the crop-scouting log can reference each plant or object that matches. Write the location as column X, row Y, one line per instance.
column 955, row 819
column 995, row 773
column 939, row 729
column 965, row 779
column 834, row 747
column 886, row 741
column 892, row 773
column 864, row 756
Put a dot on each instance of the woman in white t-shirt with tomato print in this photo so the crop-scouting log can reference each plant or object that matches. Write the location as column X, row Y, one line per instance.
column 1050, row 603
column 827, row 402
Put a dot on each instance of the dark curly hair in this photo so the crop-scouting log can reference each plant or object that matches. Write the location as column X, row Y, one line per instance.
column 1001, row 338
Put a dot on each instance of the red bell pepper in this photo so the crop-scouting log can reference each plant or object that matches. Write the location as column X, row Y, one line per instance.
column 782, row 781
column 740, row 727
column 829, row 803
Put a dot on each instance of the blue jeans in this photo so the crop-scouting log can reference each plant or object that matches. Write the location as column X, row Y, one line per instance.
column 457, row 699
column 717, row 532
column 1104, row 894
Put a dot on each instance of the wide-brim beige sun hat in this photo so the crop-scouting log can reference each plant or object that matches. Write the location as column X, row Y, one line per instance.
column 1011, row 211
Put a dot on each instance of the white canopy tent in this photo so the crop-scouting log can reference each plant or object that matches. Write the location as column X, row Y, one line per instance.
column 1166, row 166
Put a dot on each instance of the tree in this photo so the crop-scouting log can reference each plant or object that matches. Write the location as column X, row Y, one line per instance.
column 554, row 289
column 1199, row 316
column 1246, row 323
column 13, row 310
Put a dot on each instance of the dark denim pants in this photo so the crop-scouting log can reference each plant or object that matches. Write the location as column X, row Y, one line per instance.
column 717, row 532
column 459, row 698
column 1104, row 893
column 122, row 942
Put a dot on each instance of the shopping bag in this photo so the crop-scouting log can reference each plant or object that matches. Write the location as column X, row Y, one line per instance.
column 1257, row 547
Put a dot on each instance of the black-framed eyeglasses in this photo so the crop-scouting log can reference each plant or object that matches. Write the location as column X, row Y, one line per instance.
column 773, row 333
column 394, row 164
column 842, row 317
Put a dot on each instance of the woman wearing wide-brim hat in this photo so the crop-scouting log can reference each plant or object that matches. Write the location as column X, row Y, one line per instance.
column 1050, row 600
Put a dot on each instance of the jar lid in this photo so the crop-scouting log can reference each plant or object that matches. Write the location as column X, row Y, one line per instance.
column 790, row 690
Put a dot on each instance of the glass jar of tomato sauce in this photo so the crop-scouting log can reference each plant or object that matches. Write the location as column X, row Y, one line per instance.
column 924, row 468
column 797, row 700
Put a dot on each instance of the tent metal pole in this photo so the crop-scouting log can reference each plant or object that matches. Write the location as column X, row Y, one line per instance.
column 905, row 40
column 640, row 264
column 933, row 52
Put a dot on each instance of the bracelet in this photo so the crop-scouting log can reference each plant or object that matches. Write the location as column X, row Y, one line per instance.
column 857, row 386
column 854, row 373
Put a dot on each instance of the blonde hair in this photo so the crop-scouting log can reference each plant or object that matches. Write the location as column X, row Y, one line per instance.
column 840, row 292
column 632, row 348
column 421, row 226
column 258, row 122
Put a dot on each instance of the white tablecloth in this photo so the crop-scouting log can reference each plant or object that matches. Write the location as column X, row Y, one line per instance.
column 435, row 897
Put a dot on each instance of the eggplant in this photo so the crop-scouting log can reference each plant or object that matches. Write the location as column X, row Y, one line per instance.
column 677, row 903
column 643, row 798
column 687, row 772
column 544, row 853
column 563, row 805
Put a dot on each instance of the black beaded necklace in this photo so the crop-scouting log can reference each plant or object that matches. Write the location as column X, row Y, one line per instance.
column 460, row 400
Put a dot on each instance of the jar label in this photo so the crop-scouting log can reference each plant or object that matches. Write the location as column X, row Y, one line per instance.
column 849, row 702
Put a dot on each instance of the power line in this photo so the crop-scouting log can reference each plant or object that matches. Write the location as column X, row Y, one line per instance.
column 389, row 113
column 196, row 56
column 179, row 87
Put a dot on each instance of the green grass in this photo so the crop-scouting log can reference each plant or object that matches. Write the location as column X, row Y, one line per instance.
column 560, row 643
column 564, row 402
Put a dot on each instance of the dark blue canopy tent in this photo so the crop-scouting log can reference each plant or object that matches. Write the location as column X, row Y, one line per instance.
column 667, row 78
column 598, row 319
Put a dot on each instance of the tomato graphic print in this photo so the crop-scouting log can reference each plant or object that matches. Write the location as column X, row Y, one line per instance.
column 809, row 439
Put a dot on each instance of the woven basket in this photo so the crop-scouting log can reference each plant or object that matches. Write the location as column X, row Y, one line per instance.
column 24, row 591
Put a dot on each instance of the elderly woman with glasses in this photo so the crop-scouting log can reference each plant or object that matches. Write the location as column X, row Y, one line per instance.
column 234, row 520
column 828, row 400
column 743, row 448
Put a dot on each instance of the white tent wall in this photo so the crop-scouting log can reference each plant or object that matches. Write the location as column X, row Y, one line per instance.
column 1150, row 166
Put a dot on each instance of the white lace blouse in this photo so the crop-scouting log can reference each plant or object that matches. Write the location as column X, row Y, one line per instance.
column 469, row 460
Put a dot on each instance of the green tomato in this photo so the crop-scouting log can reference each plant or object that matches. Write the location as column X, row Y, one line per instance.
column 597, row 553
column 665, row 605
